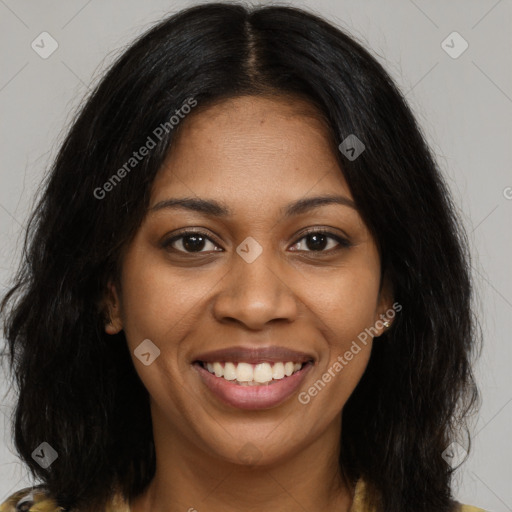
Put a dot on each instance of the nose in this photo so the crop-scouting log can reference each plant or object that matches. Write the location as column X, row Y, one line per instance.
column 255, row 294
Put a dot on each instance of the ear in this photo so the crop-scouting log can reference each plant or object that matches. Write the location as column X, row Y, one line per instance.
column 113, row 323
column 386, row 309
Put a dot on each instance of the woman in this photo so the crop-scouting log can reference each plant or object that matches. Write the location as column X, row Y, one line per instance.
column 245, row 285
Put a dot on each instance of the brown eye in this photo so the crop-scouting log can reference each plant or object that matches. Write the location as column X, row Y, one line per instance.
column 322, row 241
column 190, row 242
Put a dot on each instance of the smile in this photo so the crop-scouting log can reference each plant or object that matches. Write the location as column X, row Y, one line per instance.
column 247, row 374
column 252, row 386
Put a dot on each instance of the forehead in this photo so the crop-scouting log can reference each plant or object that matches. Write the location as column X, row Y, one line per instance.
column 255, row 148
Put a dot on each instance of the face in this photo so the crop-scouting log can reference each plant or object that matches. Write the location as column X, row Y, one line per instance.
column 266, row 275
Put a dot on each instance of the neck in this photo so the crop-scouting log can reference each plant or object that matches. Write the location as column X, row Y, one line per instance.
column 188, row 478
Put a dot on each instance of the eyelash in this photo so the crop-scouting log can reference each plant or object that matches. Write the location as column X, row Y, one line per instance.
column 343, row 243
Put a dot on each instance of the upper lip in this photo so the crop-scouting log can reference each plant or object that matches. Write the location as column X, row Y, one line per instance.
column 254, row 355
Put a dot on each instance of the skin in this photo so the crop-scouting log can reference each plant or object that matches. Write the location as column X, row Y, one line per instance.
column 256, row 155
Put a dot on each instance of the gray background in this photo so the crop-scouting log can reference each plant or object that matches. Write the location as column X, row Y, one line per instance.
column 464, row 105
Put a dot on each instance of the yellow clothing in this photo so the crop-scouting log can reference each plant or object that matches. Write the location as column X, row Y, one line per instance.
column 39, row 501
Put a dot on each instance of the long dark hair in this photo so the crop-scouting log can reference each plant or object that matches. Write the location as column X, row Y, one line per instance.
column 78, row 389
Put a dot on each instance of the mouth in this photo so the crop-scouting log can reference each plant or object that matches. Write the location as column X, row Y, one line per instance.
column 247, row 374
column 252, row 386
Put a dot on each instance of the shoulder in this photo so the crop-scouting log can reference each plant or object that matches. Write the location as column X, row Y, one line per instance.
column 462, row 508
column 38, row 499
column 359, row 504
column 30, row 499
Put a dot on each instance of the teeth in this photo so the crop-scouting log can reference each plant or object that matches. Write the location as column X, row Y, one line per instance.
column 217, row 368
column 248, row 374
column 262, row 373
column 229, row 371
column 278, row 371
column 244, row 372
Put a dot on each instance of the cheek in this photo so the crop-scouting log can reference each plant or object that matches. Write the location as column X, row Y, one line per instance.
column 156, row 303
column 347, row 303
column 347, row 307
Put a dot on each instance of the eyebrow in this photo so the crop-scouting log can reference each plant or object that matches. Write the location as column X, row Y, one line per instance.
column 218, row 209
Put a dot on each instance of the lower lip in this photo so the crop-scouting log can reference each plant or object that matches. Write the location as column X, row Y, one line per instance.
column 253, row 397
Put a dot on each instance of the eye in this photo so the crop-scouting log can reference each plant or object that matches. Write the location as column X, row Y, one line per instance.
column 190, row 242
column 196, row 241
column 318, row 240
